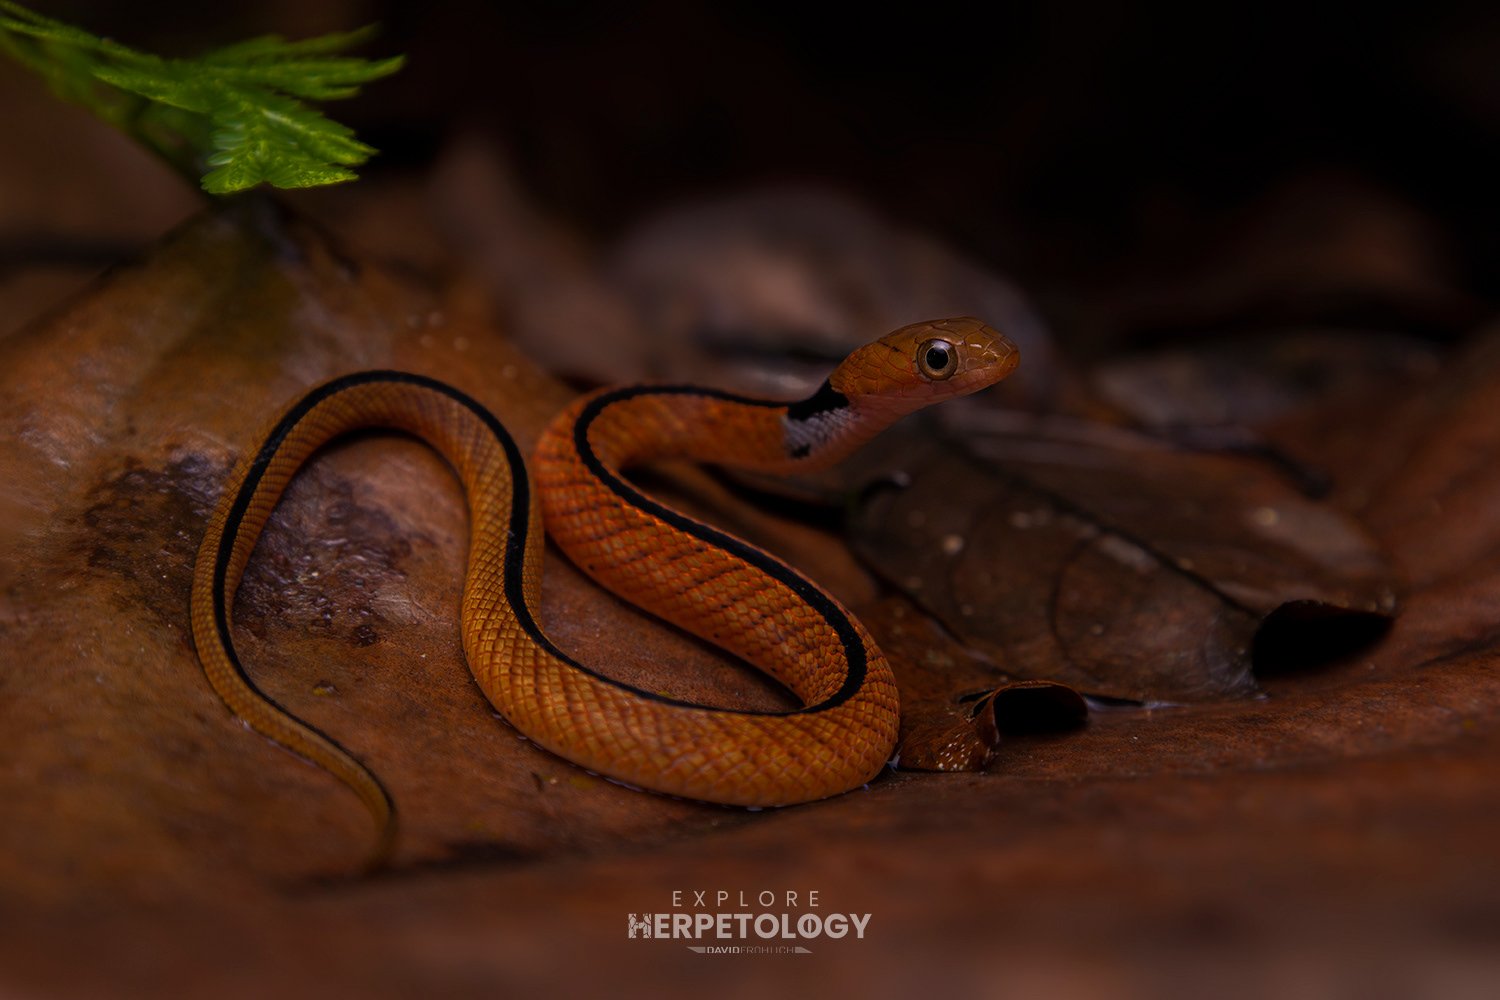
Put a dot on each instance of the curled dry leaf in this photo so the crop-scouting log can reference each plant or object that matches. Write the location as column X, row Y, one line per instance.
column 1119, row 566
column 1417, row 460
column 956, row 708
column 1437, row 508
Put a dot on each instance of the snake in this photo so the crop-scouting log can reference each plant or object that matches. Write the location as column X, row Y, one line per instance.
column 703, row 580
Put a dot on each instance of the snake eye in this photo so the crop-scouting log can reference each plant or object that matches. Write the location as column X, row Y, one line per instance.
column 938, row 359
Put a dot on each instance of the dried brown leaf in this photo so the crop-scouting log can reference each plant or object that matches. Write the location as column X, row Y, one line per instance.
column 1116, row 565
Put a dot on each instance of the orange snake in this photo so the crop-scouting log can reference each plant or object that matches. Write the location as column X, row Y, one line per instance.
column 709, row 583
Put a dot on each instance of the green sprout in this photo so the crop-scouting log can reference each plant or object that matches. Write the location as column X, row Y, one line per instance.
column 238, row 109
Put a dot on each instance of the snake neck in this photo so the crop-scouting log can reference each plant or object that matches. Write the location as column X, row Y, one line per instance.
column 828, row 426
column 638, row 424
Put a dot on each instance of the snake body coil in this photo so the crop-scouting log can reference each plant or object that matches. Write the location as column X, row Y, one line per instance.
column 688, row 573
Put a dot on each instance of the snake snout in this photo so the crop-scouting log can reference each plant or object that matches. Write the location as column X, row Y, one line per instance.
column 989, row 352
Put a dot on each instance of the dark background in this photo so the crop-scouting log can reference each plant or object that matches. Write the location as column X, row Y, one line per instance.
column 1105, row 154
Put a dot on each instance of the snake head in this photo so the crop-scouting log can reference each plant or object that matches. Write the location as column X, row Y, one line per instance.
column 925, row 363
column 880, row 383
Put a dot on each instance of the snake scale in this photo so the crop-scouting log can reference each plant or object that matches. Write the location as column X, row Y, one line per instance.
column 688, row 573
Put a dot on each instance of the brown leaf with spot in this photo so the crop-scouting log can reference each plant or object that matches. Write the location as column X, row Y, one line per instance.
column 1111, row 563
column 125, row 412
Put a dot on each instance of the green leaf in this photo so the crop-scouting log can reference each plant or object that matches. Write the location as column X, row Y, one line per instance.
column 261, row 136
column 238, row 109
column 276, row 46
